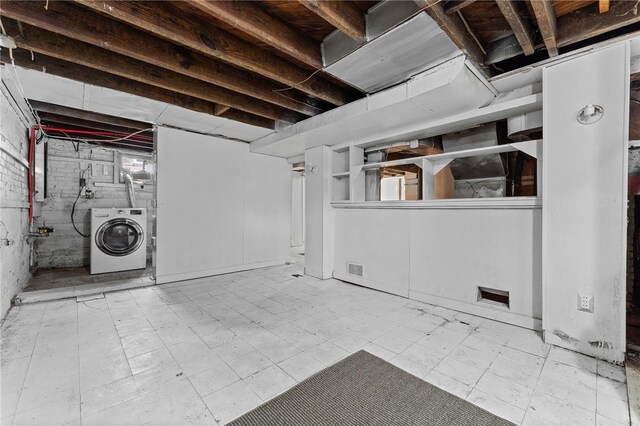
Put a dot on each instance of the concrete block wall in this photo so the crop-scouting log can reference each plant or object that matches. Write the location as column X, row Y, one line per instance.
column 65, row 247
column 14, row 202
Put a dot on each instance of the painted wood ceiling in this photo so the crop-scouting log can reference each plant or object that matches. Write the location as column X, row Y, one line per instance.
column 259, row 62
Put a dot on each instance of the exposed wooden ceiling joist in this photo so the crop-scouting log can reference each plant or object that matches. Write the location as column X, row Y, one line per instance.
column 88, row 116
column 104, row 140
column 453, row 26
column 574, row 27
column 253, row 19
column 453, row 6
column 546, row 18
column 343, row 15
column 47, row 117
column 44, row 42
column 563, row 7
column 78, row 23
column 589, row 22
column 515, row 12
column 163, row 20
column 103, row 79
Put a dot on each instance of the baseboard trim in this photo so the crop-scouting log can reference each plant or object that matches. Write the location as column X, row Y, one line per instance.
column 481, row 311
column 184, row 276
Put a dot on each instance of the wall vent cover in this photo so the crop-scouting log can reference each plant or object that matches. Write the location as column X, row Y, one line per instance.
column 493, row 296
column 355, row 269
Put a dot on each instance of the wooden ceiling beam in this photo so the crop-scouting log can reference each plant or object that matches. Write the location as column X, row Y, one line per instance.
column 47, row 43
column 342, row 15
column 573, row 27
column 110, row 120
column 453, row 26
column 81, row 24
column 546, row 18
column 588, row 22
column 516, row 16
column 253, row 19
column 453, row 6
column 104, row 140
column 103, row 79
column 47, row 117
column 166, row 21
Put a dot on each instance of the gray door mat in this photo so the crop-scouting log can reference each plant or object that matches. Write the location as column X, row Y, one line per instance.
column 363, row 389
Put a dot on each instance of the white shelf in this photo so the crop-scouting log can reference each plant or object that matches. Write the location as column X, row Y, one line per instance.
column 453, row 203
column 452, row 123
column 341, row 174
column 498, row 149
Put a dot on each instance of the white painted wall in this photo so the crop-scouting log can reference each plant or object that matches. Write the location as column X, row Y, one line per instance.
column 297, row 209
column 585, row 168
column 379, row 241
column 220, row 208
column 441, row 256
column 319, row 229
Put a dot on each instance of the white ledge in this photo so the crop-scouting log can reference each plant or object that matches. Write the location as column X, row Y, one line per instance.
column 458, row 203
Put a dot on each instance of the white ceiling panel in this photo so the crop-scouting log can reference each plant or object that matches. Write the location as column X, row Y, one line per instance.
column 49, row 88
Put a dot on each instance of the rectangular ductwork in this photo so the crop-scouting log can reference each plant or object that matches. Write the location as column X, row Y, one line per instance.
column 394, row 52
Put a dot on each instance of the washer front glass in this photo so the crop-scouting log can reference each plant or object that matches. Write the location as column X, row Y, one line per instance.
column 119, row 237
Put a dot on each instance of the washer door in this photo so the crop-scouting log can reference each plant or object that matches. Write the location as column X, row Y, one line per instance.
column 119, row 237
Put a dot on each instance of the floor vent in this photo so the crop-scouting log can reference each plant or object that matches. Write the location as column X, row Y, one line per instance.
column 355, row 269
column 493, row 296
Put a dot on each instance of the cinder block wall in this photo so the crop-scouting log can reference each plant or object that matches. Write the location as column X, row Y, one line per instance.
column 14, row 203
column 65, row 247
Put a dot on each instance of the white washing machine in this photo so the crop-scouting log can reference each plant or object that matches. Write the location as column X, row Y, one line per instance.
column 118, row 239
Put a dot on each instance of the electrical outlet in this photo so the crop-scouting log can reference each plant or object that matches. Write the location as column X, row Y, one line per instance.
column 585, row 302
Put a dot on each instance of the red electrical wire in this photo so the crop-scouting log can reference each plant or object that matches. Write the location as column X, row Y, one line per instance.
column 32, row 148
column 94, row 133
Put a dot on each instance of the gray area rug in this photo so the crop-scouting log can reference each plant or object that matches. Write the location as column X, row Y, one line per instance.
column 363, row 389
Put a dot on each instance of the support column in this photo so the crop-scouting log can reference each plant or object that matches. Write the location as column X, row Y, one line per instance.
column 319, row 223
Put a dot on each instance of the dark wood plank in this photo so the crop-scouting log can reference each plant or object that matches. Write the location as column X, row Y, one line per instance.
column 453, row 26
column 453, row 6
column 515, row 12
column 580, row 25
column 588, row 22
column 164, row 20
column 87, row 75
column 47, row 43
column 343, row 15
column 89, row 116
column 563, row 7
column 221, row 109
column 76, row 22
column 546, row 18
column 253, row 19
column 104, row 140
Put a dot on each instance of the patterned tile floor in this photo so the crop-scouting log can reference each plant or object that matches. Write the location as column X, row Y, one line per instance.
column 208, row 350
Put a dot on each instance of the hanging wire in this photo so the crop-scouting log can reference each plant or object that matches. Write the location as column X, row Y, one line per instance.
column 97, row 140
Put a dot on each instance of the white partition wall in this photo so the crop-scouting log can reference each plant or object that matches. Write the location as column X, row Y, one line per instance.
column 585, row 178
column 443, row 255
column 220, row 207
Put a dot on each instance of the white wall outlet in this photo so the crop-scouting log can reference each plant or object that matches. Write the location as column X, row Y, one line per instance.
column 585, row 302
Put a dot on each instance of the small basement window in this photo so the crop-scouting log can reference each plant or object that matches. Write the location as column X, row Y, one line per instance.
column 141, row 167
column 493, row 296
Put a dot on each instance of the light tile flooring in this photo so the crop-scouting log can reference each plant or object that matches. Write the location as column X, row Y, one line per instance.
column 206, row 351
